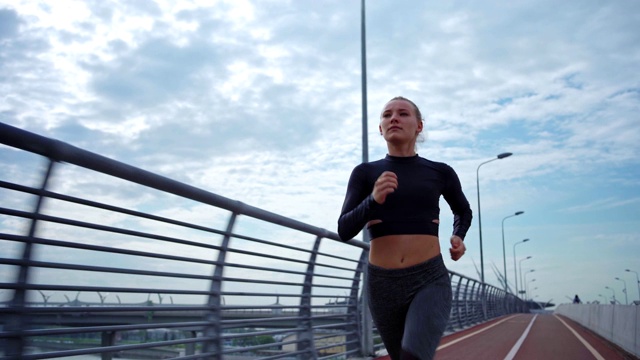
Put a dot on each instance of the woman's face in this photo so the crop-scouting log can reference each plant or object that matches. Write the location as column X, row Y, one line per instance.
column 399, row 123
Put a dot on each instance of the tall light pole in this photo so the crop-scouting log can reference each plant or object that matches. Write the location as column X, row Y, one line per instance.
column 613, row 292
column 626, row 298
column 367, row 321
column 520, row 266
column 498, row 157
column 527, row 289
column 515, row 272
column 525, row 283
column 638, row 281
column 504, row 252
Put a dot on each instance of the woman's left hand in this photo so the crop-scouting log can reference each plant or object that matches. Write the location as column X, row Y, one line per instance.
column 457, row 247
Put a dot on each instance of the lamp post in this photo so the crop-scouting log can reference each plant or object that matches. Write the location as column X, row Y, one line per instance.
column 515, row 272
column 638, row 281
column 520, row 271
column 527, row 289
column 626, row 298
column 367, row 321
column 613, row 292
column 498, row 157
column 526, row 285
column 504, row 252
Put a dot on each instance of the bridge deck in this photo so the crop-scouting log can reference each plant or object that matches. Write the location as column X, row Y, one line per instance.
column 527, row 337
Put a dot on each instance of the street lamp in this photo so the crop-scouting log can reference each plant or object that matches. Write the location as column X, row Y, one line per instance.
column 526, row 285
column 626, row 299
column 498, row 157
column 527, row 289
column 515, row 272
column 638, row 281
column 612, row 292
column 532, row 290
column 504, row 252
column 520, row 271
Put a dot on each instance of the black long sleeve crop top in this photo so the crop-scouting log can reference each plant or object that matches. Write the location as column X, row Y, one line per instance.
column 413, row 208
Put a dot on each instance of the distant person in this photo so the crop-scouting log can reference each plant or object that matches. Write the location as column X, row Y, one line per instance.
column 576, row 300
column 397, row 198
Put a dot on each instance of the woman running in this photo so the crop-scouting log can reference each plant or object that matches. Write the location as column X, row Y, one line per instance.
column 397, row 198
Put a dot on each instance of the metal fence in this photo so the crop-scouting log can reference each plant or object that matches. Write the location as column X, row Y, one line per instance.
column 116, row 261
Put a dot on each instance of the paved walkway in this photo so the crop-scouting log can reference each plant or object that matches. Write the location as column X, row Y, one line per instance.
column 527, row 337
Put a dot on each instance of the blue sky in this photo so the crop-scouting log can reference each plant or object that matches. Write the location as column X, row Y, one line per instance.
column 260, row 101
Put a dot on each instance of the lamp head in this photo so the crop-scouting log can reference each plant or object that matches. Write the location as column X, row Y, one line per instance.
column 525, row 240
column 504, row 155
column 519, row 213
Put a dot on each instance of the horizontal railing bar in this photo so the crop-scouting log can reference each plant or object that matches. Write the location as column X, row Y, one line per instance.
column 259, row 333
column 259, row 320
column 277, row 294
column 139, row 214
column 114, row 348
column 94, row 204
column 61, row 151
column 240, row 280
column 103, row 309
column 137, row 234
column 16, row 286
column 74, row 245
column 102, row 269
column 93, row 329
column 331, row 326
column 51, row 242
column 110, row 229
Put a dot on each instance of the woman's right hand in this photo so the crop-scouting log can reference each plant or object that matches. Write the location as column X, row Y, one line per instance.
column 385, row 185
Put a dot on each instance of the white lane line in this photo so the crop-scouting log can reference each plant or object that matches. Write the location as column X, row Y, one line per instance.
column 584, row 342
column 473, row 333
column 516, row 347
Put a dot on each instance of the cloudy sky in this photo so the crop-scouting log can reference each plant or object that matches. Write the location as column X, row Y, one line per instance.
column 260, row 101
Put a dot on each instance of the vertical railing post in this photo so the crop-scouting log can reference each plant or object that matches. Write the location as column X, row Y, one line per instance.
column 465, row 296
column 18, row 321
column 305, row 339
column 214, row 316
column 108, row 338
column 458, row 304
column 354, row 308
column 476, row 297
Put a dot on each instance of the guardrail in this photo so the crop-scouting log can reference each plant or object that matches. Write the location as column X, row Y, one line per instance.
column 99, row 257
column 619, row 324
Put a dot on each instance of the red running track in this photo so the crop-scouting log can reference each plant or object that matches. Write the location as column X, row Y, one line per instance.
column 527, row 337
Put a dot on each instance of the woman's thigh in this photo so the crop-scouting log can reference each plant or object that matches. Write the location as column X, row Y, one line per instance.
column 427, row 319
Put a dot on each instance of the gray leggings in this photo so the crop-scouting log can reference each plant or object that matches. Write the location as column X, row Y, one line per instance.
column 410, row 307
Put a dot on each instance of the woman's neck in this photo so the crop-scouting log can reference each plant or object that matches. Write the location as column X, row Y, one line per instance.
column 404, row 150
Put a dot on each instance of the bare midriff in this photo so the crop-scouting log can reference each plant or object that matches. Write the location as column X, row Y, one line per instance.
column 401, row 251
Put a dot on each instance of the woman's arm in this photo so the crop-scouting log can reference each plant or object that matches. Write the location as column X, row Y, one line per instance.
column 459, row 204
column 358, row 208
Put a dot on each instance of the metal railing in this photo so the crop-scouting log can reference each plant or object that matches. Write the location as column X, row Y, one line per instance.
column 118, row 261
